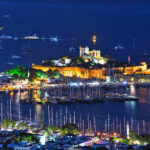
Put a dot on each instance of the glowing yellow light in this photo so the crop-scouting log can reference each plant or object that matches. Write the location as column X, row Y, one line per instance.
column 94, row 38
column 98, row 133
column 115, row 134
column 12, row 93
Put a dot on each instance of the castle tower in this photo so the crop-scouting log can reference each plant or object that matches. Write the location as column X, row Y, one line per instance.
column 83, row 51
column 80, row 51
column 129, row 59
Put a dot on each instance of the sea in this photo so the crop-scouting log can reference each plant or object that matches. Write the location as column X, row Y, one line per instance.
column 117, row 22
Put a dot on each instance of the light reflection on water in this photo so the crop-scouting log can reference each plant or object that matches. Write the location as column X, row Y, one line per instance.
column 38, row 110
column 139, row 111
column 132, row 90
column 130, row 107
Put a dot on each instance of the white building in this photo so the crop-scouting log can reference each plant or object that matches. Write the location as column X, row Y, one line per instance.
column 84, row 50
column 93, row 55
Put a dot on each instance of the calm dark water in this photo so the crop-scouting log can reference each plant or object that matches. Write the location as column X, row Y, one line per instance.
column 138, row 111
column 113, row 23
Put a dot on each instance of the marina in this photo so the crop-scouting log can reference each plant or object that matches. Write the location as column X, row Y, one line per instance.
column 36, row 99
column 57, row 115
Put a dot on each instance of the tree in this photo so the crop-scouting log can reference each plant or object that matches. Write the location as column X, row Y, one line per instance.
column 49, row 73
column 21, row 125
column 77, row 61
column 70, row 128
column 33, row 75
column 26, row 137
column 8, row 124
column 132, row 135
column 18, row 72
column 50, row 130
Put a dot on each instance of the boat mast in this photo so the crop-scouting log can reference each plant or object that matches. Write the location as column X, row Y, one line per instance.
column 30, row 115
column 117, row 124
column 90, row 125
column 106, row 126
column 43, row 116
column 124, row 124
column 52, row 116
column 83, row 126
column 64, row 120
column 60, row 118
column 66, row 114
column 143, row 127
column 56, row 119
column 19, row 104
column 108, row 122
column 128, row 131
column 120, row 127
column 80, row 121
column 88, row 121
column 35, row 118
column 113, row 125
column 138, row 129
column 74, row 120
column 131, row 124
column 1, row 112
column 94, row 124
column 48, row 116
column 70, row 118
column 10, row 110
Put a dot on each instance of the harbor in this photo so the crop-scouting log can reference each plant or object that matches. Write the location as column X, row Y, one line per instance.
column 74, row 75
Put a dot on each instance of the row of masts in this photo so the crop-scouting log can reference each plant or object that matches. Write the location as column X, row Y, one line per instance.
column 61, row 117
column 83, row 91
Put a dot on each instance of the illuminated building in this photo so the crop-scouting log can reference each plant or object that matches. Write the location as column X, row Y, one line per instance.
column 100, row 73
column 84, row 51
column 132, row 69
column 96, row 54
column 73, row 71
column 93, row 55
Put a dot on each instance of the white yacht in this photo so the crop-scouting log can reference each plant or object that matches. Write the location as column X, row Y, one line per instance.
column 1, row 28
column 119, row 47
column 34, row 37
column 15, row 57
column 54, row 39
column 5, row 37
